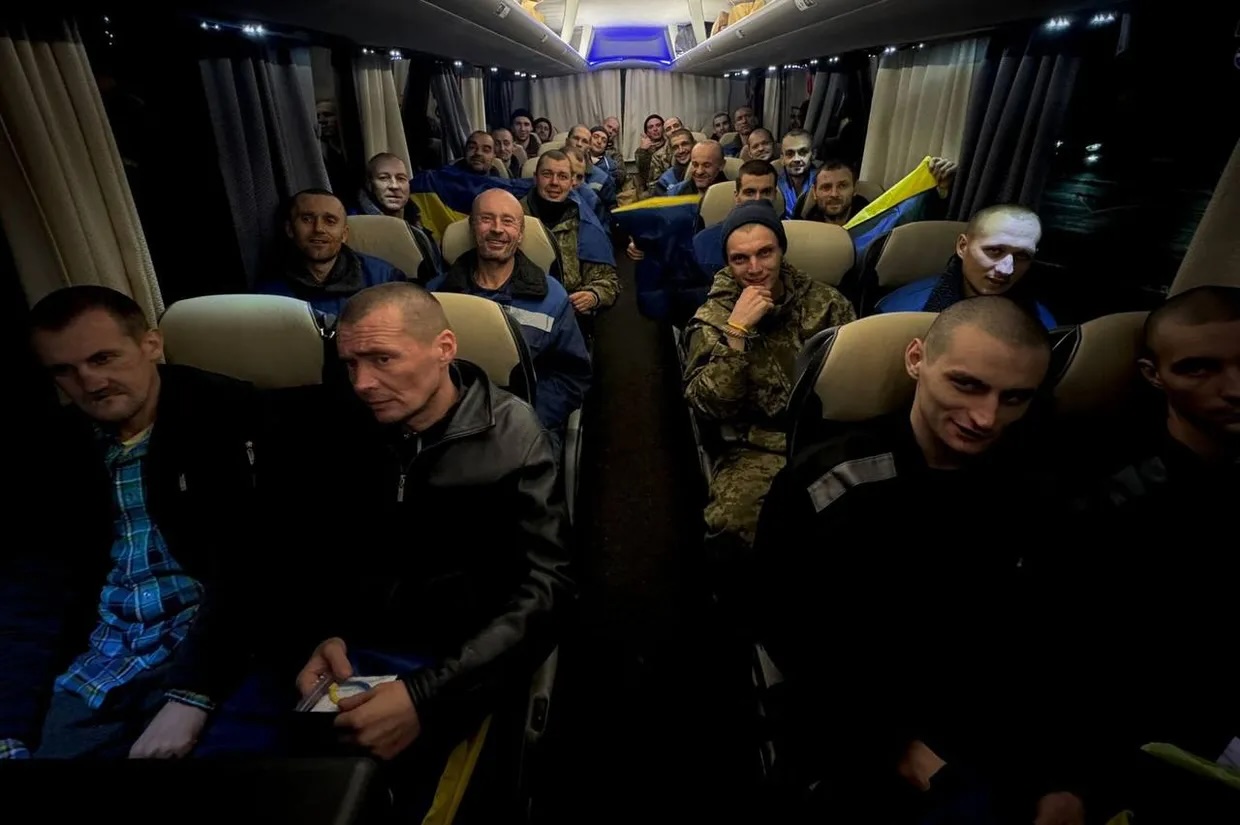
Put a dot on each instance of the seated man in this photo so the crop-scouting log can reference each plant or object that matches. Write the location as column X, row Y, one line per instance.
column 992, row 257
column 741, row 346
column 796, row 178
column 117, row 634
column 453, row 499
column 654, row 155
column 523, row 133
column 705, row 170
column 606, row 159
column 598, row 180
column 721, row 123
column 319, row 267
column 929, row 650
column 387, row 193
column 682, row 142
column 834, row 198
column 507, row 151
column 745, row 122
column 756, row 181
column 582, row 191
column 588, row 267
column 497, row 269
column 479, row 155
column 761, row 145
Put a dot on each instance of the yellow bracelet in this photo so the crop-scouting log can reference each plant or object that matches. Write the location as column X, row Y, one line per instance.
column 741, row 328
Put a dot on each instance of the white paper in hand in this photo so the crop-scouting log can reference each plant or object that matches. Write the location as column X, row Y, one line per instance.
column 345, row 689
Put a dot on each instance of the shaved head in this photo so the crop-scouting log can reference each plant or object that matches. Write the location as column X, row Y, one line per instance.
column 1193, row 308
column 1006, row 211
column 422, row 314
column 998, row 317
column 496, row 200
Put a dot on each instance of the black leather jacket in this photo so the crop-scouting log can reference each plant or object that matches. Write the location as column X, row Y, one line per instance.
column 449, row 545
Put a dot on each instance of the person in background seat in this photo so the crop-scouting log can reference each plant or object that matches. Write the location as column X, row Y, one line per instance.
column 523, row 132
column 597, row 179
column 761, row 145
column 507, row 150
column 993, row 255
column 320, row 268
column 722, row 124
column 588, row 266
column 582, row 191
column 453, row 500
column 705, row 170
column 834, row 198
column 479, row 155
column 796, row 178
column 745, row 122
column 544, row 129
column 498, row 270
column 916, row 666
column 124, row 623
column 387, row 193
column 606, row 159
column 682, row 142
column 654, row 155
column 756, row 181
column 741, row 346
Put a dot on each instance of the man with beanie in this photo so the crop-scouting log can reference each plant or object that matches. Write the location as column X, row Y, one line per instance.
column 741, row 347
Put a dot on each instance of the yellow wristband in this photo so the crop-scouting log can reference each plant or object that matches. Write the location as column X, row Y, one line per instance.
column 741, row 328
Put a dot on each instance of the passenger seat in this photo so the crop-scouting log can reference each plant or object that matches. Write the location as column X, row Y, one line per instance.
column 537, row 243
column 823, row 251
column 906, row 254
column 388, row 239
column 719, row 200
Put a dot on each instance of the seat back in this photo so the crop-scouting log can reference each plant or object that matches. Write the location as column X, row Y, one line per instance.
column 729, row 139
column 551, row 144
column 488, row 337
column 868, row 189
column 906, row 254
column 387, row 238
column 529, row 167
column 853, row 373
column 562, row 137
column 500, row 167
column 700, row 137
column 732, row 167
column 269, row 340
column 823, row 251
column 538, row 245
column 719, row 200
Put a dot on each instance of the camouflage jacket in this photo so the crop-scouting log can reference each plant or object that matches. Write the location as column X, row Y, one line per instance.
column 578, row 275
column 749, row 390
column 651, row 163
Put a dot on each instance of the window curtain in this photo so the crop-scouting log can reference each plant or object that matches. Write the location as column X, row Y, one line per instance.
column 65, row 203
column 774, row 114
column 261, row 100
column 379, row 107
column 1018, row 107
column 921, row 99
column 453, row 118
column 692, row 98
column 498, row 92
column 1213, row 257
column 577, row 98
column 473, row 94
column 839, row 109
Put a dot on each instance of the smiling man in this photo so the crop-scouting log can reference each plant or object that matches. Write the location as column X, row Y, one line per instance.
column 896, row 584
column 796, row 178
column 705, row 170
column 319, row 267
column 993, row 256
column 479, row 155
column 387, row 193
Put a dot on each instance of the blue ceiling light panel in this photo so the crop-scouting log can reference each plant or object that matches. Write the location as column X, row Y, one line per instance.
column 630, row 43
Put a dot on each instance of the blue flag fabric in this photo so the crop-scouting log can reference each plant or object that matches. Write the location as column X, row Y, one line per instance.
column 663, row 229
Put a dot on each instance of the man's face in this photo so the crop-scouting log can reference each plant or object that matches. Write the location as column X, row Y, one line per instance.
column 503, row 144
column 598, row 143
column 833, row 191
column 743, row 118
column 543, row 130
column 761, row 146
column 499, row 225
column 705, row 161
column 107, row 373
column 317, row 226
column 389, row 185
column 672, row 124
column 555, row 179
column 722, row 124
column 579, row 170
column 1197, row 366
column 682, row 147
column 654, row 129
column 612, row 125
column 997, row 256
column 394, row 373
column 521, row 128
column 797, row 155
column 579, row 139
column 756, row 188
column 973, row 390
column 479, row 153
column 329, row 123
column 754, row 257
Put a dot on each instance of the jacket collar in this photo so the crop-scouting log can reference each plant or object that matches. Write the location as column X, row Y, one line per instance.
column 527, row 281
column 472, row 414
column 345, row 277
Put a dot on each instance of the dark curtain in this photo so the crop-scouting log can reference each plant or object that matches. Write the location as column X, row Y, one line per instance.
column 1017, row 108
column 261, row 104
column 839, row 109
column 453, row 119
column 346, row 174
column 499, row 95
column 420, row 135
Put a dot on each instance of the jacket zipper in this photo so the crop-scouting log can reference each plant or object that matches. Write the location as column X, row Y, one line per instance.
column 404, row 471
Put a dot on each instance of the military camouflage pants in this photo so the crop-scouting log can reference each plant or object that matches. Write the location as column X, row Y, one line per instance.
column 742, row 478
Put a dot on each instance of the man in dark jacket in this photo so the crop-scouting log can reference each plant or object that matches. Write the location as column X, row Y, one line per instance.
column 117, row 636
column 386, row 192
column 909, row 654
column 450, row 540
column 496, row 269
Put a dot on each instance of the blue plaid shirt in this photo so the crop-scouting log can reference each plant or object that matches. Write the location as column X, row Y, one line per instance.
column 147, row 603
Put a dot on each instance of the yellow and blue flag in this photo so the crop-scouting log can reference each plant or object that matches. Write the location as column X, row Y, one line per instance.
column 903, row 203
column 663, row 229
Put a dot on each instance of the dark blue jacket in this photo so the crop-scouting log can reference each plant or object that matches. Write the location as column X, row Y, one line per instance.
column 916, row 297
column 351, row 273
column 607, row 187
column 539, row 304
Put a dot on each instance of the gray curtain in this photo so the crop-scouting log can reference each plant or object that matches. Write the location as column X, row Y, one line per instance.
column 453, row 119
column 262, row 113
column 1017, row 108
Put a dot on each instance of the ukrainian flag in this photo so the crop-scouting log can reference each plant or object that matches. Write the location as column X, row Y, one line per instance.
column 445, row 196
column 663, row 228
column 903, row 203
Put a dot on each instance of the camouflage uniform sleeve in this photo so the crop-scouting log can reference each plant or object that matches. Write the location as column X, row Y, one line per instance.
column 716, row 376
column 643, row 156
column 602, row 280
column 841, row 311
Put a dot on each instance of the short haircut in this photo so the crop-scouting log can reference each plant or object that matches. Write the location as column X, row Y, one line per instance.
column 718, row 115
column 745, row 108
column 59, row 309
column 525, row 113
column 580, row 126
column 757, row 169
column 831, row 164
column 1001, row 210
column 499, row 129
column 292, row 202
column 551, row 154
column 1193, row 307
column 423, row 315
column 511, row 200
column 478, row 132
column 646, row 122
column 997, row 316
column 380, row 158
column 764, row 131
column 796, row 133
column 680, row 132
column 714, row 144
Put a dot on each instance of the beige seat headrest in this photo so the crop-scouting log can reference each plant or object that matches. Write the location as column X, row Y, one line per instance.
column 562, row 137
column 868, row 190
column 549, row 145
column 271, row 341
column 529, row 168
column 386, row 238
column 538, row 245
column 500, row 167
column 729, row 139
column 1101, row 372
column 483, row 335
column 719, row 200
column 863, row 374
column 700, row 137
column 823, row 251
column 915, row 251
column 732, row 167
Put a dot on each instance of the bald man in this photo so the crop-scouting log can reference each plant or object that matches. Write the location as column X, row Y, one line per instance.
column 497, row 269
column 479, row 155
column 993, row 256
column 912, row 693
column 452, row 498
column 705, row 170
